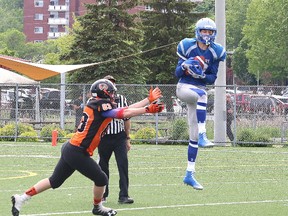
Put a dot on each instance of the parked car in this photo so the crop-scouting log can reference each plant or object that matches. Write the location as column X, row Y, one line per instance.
column 283, row 103
column 263, row 104
column 243, row 101
column 50, row 99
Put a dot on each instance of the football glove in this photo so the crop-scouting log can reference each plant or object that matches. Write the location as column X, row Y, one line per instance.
column 155, row 107
column 192, row 67
column 154, row 94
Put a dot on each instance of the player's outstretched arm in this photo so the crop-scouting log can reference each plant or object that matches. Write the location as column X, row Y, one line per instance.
column 154, row 107
column 154, row 94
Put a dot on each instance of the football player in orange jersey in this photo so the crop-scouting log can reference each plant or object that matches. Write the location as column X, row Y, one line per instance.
column 76, row 153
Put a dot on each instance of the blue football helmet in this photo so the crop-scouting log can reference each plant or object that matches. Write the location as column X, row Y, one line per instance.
column 205, row 24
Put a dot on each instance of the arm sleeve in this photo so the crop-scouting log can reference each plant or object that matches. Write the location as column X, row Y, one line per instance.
column 179, row 72
column 114, row 113
column 211, row 73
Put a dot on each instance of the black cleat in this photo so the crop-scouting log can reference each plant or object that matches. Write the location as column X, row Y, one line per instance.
column 125, row 200
column 14, row 210
column 101, row 210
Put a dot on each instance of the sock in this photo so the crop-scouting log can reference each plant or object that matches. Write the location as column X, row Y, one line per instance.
column 201, row 117
column 97, row 201
column 31, row 192
column 201, row 127
column 192, row 155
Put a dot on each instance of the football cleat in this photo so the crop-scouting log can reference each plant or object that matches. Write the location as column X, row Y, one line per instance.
column 125, row 200
column 101, row 210
column 189, row 179
column 17, row 202
column 203, row 141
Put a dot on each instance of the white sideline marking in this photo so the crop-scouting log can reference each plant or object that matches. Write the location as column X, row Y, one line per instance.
column 161, row 207
column 29, row 156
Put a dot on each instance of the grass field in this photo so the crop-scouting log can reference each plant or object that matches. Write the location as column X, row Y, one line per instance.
column 237, row 181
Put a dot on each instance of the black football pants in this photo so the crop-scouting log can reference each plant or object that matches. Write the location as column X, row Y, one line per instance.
column 115, row 143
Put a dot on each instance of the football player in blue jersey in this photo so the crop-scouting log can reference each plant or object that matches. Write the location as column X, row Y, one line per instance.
column 197, row 67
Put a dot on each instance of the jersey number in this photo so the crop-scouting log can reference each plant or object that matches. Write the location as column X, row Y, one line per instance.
column 106, row 106
column 83, row 122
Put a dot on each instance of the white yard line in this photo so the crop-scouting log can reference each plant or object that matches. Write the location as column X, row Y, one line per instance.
column 166, row 206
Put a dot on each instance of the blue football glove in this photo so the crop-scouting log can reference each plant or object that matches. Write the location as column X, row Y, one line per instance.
column 193, row 68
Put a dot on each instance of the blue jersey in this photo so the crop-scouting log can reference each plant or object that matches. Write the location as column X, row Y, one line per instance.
column 188, row 48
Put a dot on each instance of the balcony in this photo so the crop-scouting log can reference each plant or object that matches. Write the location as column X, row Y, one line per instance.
column 53, row 35
column 58, row 21
column 58, row 8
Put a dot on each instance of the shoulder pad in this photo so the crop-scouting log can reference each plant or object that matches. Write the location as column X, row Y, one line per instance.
column 219, row 50
column 185, row 45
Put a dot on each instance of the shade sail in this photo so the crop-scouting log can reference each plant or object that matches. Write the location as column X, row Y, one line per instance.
column 38, row 71
column 7, row 76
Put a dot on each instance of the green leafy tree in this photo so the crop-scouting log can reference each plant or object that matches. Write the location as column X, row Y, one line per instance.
column 265, row 31
column 11, row 12
column 240, row 65
column 12, row 40
column 108, row 35
column 207, row 6
column 236, row 11
column 164, row 27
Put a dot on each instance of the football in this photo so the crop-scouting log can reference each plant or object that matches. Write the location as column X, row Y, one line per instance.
column 201, row 59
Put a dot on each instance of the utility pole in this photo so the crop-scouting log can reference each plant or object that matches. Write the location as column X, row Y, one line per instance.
column 220, row 84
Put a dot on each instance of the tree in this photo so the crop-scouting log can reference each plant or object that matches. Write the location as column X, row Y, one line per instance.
column 108, row 35
column 235, row 20
column 12, row 40
column 164, row 27
column 265, row 31
column 11, row 12
column 236, row 11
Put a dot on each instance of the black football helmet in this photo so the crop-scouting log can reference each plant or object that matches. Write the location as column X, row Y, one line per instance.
column 103, row 88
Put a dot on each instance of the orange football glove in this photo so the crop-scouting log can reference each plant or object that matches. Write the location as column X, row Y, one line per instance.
column 154, row 94
column 155, row 107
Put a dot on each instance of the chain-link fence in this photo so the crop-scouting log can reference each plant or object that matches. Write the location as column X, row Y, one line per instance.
column 259, row 116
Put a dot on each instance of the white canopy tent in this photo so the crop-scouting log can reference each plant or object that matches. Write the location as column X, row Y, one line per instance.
column 9, row 77
column 43, row 71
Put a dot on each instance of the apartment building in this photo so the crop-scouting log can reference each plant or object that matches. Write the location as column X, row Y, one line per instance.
column 50, row 19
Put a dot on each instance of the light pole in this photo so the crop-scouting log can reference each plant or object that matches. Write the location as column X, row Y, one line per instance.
column 220, row 85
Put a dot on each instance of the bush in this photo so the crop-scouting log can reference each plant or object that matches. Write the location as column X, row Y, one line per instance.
column 29, row 136
column 252, row 138
column 146, row 133
column 69, row 136
column 9, row 131
column 46, row 132
column 180, row 130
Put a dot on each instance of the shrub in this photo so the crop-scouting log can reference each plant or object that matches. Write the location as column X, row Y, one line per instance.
column 46, row 132
column 180, row 130
column 9, row 130
column 69, row 136
column 146, row 133
column 29, row 136
column 252, row 138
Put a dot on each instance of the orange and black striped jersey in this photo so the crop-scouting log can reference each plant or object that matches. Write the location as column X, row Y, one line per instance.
column 93, row 123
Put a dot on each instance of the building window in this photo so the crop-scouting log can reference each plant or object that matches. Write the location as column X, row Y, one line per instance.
column 38, row 3
column 53, row 29
column 38, row 30
column 38, row 17
column 38, row 41
column 53, row 14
